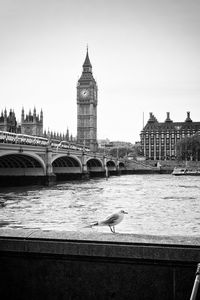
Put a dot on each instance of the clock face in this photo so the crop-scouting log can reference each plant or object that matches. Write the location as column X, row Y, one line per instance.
column 84, row 93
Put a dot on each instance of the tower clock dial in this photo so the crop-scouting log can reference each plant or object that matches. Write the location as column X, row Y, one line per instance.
column 84, row 93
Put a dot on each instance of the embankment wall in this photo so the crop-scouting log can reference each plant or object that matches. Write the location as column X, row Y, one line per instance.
column 90, row 265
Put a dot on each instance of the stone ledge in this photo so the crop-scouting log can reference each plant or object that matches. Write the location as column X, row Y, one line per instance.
column 90, row 236
column 120, row 246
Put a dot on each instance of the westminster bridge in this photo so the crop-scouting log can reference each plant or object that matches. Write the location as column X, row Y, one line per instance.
column 49, row 163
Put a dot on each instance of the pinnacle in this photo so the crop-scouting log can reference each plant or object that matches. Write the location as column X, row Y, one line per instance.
column 87, row 62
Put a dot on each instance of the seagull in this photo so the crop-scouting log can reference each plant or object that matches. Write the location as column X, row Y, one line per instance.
column 111, row 220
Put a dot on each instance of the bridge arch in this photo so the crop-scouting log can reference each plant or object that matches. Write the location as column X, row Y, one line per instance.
column 64, row 164
column 21, row 164
column 94, row 164
column 121, row 165
column 110, row 163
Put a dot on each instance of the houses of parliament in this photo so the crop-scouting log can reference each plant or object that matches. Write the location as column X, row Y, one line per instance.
column 31, row 124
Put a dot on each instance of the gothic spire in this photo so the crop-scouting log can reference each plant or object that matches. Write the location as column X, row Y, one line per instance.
column 87, row 62
column 87, row 70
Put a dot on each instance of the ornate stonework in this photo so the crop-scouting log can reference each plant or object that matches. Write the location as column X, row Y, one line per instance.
column 87, row 107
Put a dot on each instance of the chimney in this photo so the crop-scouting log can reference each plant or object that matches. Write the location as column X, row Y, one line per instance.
column 152, row 118
column 168, row 118
column 188, row 119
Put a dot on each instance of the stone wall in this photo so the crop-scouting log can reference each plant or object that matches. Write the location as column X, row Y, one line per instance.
column 90, row 265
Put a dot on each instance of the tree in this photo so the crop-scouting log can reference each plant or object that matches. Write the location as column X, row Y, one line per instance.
column 189, row 148
column 119, row 151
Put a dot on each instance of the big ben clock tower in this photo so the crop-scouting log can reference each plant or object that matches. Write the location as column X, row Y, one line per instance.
column 87, row 107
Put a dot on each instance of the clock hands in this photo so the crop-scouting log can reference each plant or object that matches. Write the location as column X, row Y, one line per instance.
column 84, row 92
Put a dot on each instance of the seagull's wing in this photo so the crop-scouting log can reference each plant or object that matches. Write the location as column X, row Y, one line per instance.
column 111, row 220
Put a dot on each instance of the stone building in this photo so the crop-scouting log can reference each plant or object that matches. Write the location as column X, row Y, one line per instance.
column 32, row 123
column 159, row 139
column 87, row 107
column 8, row 121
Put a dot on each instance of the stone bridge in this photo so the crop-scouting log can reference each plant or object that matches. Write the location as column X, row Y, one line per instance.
column 49, row 163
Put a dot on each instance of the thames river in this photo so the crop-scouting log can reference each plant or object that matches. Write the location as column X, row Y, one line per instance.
column 156, row 204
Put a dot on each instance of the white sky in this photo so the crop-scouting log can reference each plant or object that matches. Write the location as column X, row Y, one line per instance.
column 144, row 53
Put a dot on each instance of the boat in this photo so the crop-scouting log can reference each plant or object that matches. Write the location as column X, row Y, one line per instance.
column 185, row 171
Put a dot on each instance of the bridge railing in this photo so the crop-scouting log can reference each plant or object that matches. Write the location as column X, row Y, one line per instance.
column 56, row 144
column 24, row 139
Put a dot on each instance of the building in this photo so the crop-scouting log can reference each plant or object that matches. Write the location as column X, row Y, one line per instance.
column 121, row 144
column 87, row 107
column 32, row 124
column 159, row 139
column 8, row 122
column 102, row 143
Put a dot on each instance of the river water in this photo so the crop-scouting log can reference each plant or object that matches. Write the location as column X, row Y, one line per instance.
column 156, row 204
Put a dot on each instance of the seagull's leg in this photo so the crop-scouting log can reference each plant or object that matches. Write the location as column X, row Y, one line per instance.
column 110, row 228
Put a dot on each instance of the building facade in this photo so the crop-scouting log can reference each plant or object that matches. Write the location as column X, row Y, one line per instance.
column 32, row 123
column 8, row 121
column 87, row 107
column 159, row 139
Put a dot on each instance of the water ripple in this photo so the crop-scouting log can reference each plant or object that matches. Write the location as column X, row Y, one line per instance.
column 157, row 204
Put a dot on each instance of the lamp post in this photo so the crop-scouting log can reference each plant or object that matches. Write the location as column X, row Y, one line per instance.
column 196, row 283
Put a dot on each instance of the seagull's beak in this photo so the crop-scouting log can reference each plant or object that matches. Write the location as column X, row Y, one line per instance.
column 125, row 212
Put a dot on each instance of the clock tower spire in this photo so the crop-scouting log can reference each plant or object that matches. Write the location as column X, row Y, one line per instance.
column 87, row 107
column 87, row 66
